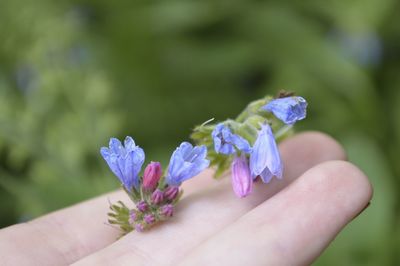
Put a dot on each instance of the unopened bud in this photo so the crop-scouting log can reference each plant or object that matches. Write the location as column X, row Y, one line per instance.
column 157, row 197
column 149, row 218
column 151, row 176
column 171, row 192
column 142, row 206
column 167, row 210
column 241, row 177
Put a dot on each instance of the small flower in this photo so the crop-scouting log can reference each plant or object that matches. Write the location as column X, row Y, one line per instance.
column 151, row 176
column 167, row 210
column 132, row 216
column 125, row 162
column 139, row 227
column 157, row 197
column 241, row 178
column 265, row 160
column 186, row 162
column 149, row 218
column 142, row 206
column 288, row 109
column 226, row 142
column 171, row 192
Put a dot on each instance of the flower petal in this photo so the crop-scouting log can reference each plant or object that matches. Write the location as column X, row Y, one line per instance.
column 186, row 162
column 266, row 175
column 241, row 178
column 225, row 142
column 111, row 160
column 129, row 144
column 185, row 149
column 288, row 109
column 258, row 157
column 116, row 146
column 241, row 144
column 265, row 155
column 124, row 162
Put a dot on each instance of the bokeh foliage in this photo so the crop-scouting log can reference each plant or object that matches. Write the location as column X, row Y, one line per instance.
column 73, row 73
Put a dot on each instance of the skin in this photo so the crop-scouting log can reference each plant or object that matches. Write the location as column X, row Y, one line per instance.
column 286, row 222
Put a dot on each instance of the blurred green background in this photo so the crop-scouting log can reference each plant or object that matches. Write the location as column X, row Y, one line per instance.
column 74, row 73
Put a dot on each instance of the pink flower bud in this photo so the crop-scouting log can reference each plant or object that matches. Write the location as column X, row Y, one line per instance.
column 149, row 218
column 171, row 192
column 142, row 206
column 241, row 177
column 167, row 210
column 157, row 197
column 151, row 176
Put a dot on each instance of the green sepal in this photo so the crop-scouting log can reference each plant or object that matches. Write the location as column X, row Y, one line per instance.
column 119, row 216
column 220, row 162
column 254, row 108
column 284, row 132
column 202, row 134
column 249, row 129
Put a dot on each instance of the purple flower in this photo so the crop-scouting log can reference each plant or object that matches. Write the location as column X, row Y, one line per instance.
column 226, row 142
column 157, row 197
column 241, row 178
column 288, row 109
column 265, row 160
column 125, row 162
column 186, row 162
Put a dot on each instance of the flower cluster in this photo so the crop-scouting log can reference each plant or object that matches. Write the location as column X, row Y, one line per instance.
column 248, row 145
column 232, row 141
column 154, row 195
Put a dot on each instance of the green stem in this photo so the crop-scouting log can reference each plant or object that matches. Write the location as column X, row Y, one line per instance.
column 282, row 132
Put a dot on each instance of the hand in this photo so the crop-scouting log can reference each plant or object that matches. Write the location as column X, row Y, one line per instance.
column 286, row 222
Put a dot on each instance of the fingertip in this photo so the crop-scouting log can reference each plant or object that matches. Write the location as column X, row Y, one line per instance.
column 348, row 181
column 314, row 208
